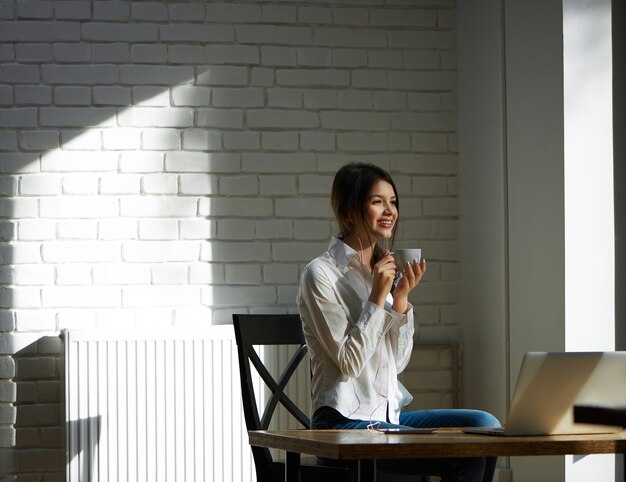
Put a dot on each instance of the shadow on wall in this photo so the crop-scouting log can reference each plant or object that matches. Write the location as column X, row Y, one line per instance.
column 34, row 442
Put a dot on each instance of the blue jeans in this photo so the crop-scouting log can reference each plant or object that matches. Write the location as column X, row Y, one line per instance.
column 479, row 469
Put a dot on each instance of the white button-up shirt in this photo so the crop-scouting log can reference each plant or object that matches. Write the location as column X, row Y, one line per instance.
column 357, row 348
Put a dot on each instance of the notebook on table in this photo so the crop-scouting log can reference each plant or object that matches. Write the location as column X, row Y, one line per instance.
column 551, row 383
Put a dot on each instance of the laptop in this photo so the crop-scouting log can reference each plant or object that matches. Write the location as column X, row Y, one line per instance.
column 551, row 383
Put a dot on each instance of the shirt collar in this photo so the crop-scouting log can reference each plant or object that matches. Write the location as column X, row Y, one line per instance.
column 341, row 252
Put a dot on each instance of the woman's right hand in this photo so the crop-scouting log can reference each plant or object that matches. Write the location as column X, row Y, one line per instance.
column 383, row 274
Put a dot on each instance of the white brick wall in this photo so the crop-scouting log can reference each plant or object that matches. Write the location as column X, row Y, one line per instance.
column 168, row 164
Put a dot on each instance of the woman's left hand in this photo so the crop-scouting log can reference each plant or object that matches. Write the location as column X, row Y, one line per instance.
column 411, row 275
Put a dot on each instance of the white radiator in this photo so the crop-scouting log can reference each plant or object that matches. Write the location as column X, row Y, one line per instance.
column 155, row 406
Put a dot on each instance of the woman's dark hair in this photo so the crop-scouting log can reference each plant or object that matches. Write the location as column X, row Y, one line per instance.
column 350, row 194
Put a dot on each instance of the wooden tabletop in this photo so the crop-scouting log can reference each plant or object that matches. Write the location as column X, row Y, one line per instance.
column 364, row 444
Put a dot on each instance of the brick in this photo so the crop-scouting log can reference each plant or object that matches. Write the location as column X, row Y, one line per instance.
column 315, row 14
column 277, row 185
column 81, row 140
column 77, row 116
column 301, row 251
column 36, row 230
column 232, row 54
column 296, row 207
column 87, row 207
column 34, row 9
column 279, row 14
column 113, row 95
column 280, row 273
column 355, row 100
column 371, row 121
column 276, row 118
column 277, row 35
column 198, row 184
column 236, row 97
column 72, row 96
column 73, row 274
column 181, row 12
column 425, row 102
column 111, row 229
column 225, row 75
column 110, row 52
column 158, row 206
column 220, row 118
column 314, row 184
column 34, row 31
column 7, row 52
column 202, row 162
column 243, row 274
column 121, row 274
column 284, row 97
column 119, row 184
column 235, row 207
column 187, row 95
column 239, row 252
column 262, row 77
column 201, row 140
column 206, row 273
column 235, row 229
column 8, row 414
column 311, row 230
column 140, row 162
column 274, row 229
column 80, row 296
column 19, row 74
column 40, row 185
column 241, row 141
column 77, row 229
column 351, row 58
column 161, row 251
column 161, row 296
column 185, row 54
column 81, row 251
column 220, row 296
column 317, row 77
column 169, row 274
column 279, row 56
column 72, row 10
column 318, row 141
column 8, row 141
column 158, row 229
column 18, row 208
column 148, row 11
column 39, row 140
column 119, row 32
column 104, row 10
column 8, row 389
column 75, row 52
column 154, row 117
column 18, row 117
column 279, row 141
column 20, row 297
column 36, row 321
column 197, row 229
column 161, row 139
column 159, row 184
column 33, row 274
column 7, row 370
column 184, row 32
column 233, row 13
column 121, row 139
column 148, row 54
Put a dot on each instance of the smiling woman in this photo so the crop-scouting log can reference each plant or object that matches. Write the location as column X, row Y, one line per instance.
column 359, row 326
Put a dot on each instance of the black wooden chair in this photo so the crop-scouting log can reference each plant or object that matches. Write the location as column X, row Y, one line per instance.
column 251, row 330
column 274, row 330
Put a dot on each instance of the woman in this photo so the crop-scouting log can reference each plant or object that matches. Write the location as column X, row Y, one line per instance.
column 359, row 327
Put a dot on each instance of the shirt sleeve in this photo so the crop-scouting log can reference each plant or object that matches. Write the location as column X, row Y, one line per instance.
column 349, row 344
column 401, row 335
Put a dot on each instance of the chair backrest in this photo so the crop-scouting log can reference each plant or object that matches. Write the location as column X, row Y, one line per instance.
column 260, row 330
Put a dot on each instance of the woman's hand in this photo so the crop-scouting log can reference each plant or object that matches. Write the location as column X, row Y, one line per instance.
column 383, row 274
column 411, row 275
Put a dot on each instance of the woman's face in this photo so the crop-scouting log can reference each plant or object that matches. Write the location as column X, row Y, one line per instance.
column 381, row 213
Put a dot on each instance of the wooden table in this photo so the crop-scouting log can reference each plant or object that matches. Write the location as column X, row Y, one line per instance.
column 364, row 446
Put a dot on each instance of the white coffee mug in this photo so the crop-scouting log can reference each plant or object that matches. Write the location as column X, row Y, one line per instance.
column 404, row 256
